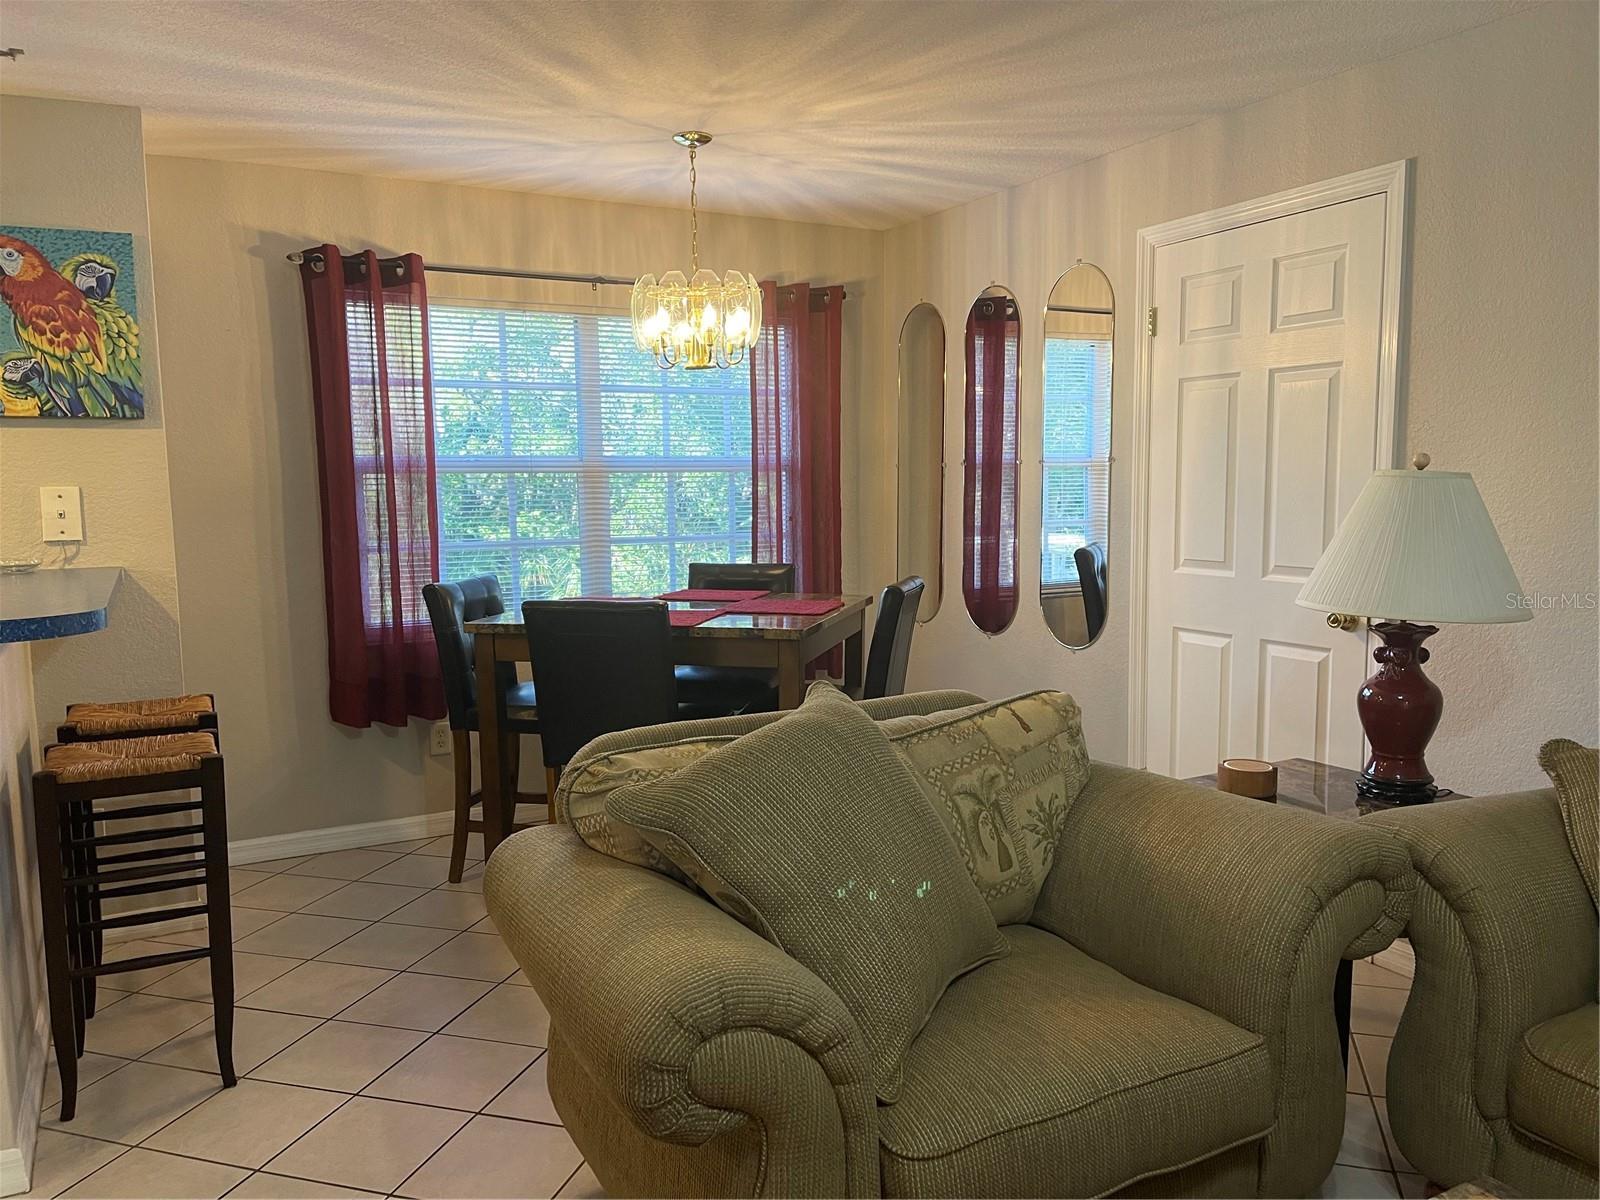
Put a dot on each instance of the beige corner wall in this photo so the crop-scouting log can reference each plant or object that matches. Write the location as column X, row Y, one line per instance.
column 81, row 166
column 243, row 445
column 1500, row 370
column 22, row 992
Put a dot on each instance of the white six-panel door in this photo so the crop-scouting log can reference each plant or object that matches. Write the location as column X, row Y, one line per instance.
column 1263, row 428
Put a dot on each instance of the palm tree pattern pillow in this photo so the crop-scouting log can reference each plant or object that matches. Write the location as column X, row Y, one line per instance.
column 1002, row 777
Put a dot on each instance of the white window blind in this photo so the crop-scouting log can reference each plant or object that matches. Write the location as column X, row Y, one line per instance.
column 570, row 464
column 1077, row 453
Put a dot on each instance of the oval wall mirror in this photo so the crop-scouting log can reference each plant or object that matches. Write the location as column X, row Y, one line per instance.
column 919, row 544
column 989, row 476
column 1075, row 464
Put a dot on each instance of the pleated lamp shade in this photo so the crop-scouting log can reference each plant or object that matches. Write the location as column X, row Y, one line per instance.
column 1417, row 546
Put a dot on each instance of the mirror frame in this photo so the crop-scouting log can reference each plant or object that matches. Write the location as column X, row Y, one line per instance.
column 933, row 591
column 1044, row 344
column 969, row 482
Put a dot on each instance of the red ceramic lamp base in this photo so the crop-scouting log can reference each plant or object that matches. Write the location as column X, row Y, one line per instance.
column 1399, row 708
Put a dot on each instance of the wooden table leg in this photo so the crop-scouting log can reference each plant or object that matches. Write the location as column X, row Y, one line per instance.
column 854, row 652
column 791, row 675
column 490, row 715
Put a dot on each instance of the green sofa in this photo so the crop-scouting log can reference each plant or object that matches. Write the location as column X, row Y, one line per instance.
column 1494, row 1065
column 1162, row 1026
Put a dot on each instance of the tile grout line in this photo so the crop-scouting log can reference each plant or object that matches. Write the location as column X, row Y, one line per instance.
column 323, row 1021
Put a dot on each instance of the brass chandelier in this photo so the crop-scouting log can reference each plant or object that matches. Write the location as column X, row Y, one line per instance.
column 703, row 321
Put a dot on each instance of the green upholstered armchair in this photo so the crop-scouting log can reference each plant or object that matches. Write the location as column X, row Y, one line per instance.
column 1493, row 1068
column 1162, row 1026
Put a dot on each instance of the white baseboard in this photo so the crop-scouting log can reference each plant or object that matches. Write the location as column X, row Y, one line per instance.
column 13, row 1171
column 339, row 837
column 1399, row 957
column 16, row 1162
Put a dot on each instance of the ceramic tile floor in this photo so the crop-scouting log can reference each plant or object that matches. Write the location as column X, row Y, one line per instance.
column 387, row 1045
column 1369, row 1164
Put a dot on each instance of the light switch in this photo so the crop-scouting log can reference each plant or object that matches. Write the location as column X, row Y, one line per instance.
column 62, row 510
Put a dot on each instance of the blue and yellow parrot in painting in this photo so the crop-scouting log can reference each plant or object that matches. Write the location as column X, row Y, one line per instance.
column 84, row 342
column 95, row 275
column 22, row 391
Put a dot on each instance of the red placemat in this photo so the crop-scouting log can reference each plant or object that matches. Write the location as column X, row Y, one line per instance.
column 730, row 595
column 787, row 606
column 682, row 617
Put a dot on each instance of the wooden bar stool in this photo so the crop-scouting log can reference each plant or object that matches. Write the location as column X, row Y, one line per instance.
column 92, row 721
column 79, row 869
column 104, row 720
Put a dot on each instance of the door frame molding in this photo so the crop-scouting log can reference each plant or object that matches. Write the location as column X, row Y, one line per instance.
column 1393, row 182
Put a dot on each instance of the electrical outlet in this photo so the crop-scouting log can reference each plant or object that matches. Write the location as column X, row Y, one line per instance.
column 439, row 738
column 61, row 510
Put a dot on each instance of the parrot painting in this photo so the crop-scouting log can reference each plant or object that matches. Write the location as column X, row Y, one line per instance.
column 84, row 343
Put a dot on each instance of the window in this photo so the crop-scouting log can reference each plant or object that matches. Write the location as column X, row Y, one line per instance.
column 570, row 464
column 1077, row 452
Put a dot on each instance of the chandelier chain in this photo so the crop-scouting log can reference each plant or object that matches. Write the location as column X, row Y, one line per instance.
column 694, row 217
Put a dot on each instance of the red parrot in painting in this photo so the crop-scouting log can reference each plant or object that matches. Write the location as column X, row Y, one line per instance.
column 56, row 321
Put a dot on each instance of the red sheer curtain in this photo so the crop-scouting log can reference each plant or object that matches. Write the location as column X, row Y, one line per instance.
column 368, row 324
column 989, row 554
column 794, row 411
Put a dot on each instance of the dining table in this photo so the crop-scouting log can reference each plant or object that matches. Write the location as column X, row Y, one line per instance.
column 782, row 642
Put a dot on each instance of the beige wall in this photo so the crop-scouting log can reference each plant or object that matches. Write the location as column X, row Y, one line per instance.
column 242, row 440
column 82, row 166
column 1500, row 370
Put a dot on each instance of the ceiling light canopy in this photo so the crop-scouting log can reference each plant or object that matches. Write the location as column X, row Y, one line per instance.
column 702, row 321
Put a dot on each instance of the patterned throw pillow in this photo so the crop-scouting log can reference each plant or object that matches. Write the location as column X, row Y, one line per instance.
column 1002, row 777
column 584, row 788
column 813, row 832
column 1575, row 770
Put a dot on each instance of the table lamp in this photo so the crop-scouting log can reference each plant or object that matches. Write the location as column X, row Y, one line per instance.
column 1416, row 551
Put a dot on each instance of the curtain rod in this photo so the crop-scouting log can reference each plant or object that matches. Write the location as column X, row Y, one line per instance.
column 1090, row 312
column 315, row 259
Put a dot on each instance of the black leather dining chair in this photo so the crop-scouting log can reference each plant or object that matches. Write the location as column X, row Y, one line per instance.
column 721, row 691
column 450, row 607
column 602, row 666
column 890, row 651
column 1091, row 564
column 744, row 577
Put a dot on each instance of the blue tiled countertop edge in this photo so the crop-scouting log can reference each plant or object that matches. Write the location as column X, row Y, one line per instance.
column 60, row 606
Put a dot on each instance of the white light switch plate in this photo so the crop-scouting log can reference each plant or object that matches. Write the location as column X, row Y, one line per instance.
column 62, row 511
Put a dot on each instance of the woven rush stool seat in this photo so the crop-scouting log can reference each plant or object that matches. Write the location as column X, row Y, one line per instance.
column 89, row 856
column 131, row 718
column 123, row 758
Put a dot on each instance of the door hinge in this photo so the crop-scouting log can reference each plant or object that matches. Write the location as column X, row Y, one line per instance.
column 1150, row 321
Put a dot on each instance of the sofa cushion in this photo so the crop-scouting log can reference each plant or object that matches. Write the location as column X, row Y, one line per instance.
column 1047, row 1073
column 1575, row 770
column 1552, row 1092
column 637, row 755
column 813, row 832
column 1002, row 776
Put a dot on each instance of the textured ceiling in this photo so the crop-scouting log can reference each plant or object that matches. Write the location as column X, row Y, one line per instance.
column 868, row 112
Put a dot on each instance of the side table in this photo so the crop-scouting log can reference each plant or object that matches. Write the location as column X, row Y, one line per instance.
column 1323, row 788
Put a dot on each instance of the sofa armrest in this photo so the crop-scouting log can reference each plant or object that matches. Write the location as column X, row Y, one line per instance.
column 1242, row 908
column 1505, row 937
column 1210, row 897
column 653, row 988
